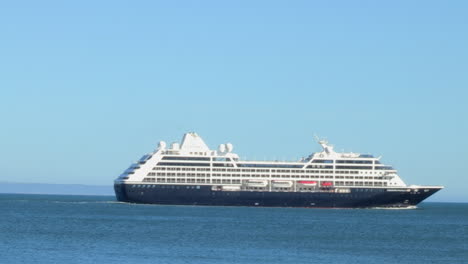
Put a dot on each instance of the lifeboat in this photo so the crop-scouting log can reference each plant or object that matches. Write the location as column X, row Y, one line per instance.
column 308, row 183
column 257, row 183
column 327, row 184
column 231, row 188
column 282, row 184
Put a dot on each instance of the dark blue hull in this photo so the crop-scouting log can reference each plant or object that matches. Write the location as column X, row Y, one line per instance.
column 206, row 195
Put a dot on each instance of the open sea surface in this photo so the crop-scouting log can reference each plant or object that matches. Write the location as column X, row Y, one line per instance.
column 97, row 229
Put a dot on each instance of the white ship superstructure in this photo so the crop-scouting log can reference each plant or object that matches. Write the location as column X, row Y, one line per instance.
column 194, row 163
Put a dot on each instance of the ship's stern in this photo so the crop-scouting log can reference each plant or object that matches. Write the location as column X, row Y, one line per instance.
column 120, row 192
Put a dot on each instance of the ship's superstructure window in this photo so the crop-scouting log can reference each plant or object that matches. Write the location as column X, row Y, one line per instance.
column 144, row 158
column 222, row 165
column 384, row 168
column 258, row 165
column 185, row 158
column 320, row 166
column 355, row 161
column 355, row 167
column 186, row 164
column 322, row 161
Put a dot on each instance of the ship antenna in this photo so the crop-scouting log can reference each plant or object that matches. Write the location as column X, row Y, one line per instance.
column 320, row 141
column 316, row 138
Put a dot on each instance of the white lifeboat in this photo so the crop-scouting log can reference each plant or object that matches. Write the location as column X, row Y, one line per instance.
column 257, row 183
column 231, row 188
column 282, row 184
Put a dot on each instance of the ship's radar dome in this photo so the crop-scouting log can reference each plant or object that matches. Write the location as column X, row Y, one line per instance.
column 162, row 145
column 222, row 148
column 229, row 147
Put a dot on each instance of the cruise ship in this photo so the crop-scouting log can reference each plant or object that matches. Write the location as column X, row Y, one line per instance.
column 190, row 173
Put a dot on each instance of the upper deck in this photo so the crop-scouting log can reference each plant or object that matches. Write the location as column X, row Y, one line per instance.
column 192, row 161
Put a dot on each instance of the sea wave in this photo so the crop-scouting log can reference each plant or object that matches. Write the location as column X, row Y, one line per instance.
column 87, row 202
column 412, row 207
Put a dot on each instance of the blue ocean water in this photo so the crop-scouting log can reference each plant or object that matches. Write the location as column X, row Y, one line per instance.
column 97, row 229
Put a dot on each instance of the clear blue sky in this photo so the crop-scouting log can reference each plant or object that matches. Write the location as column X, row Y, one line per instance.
column 87, row 87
